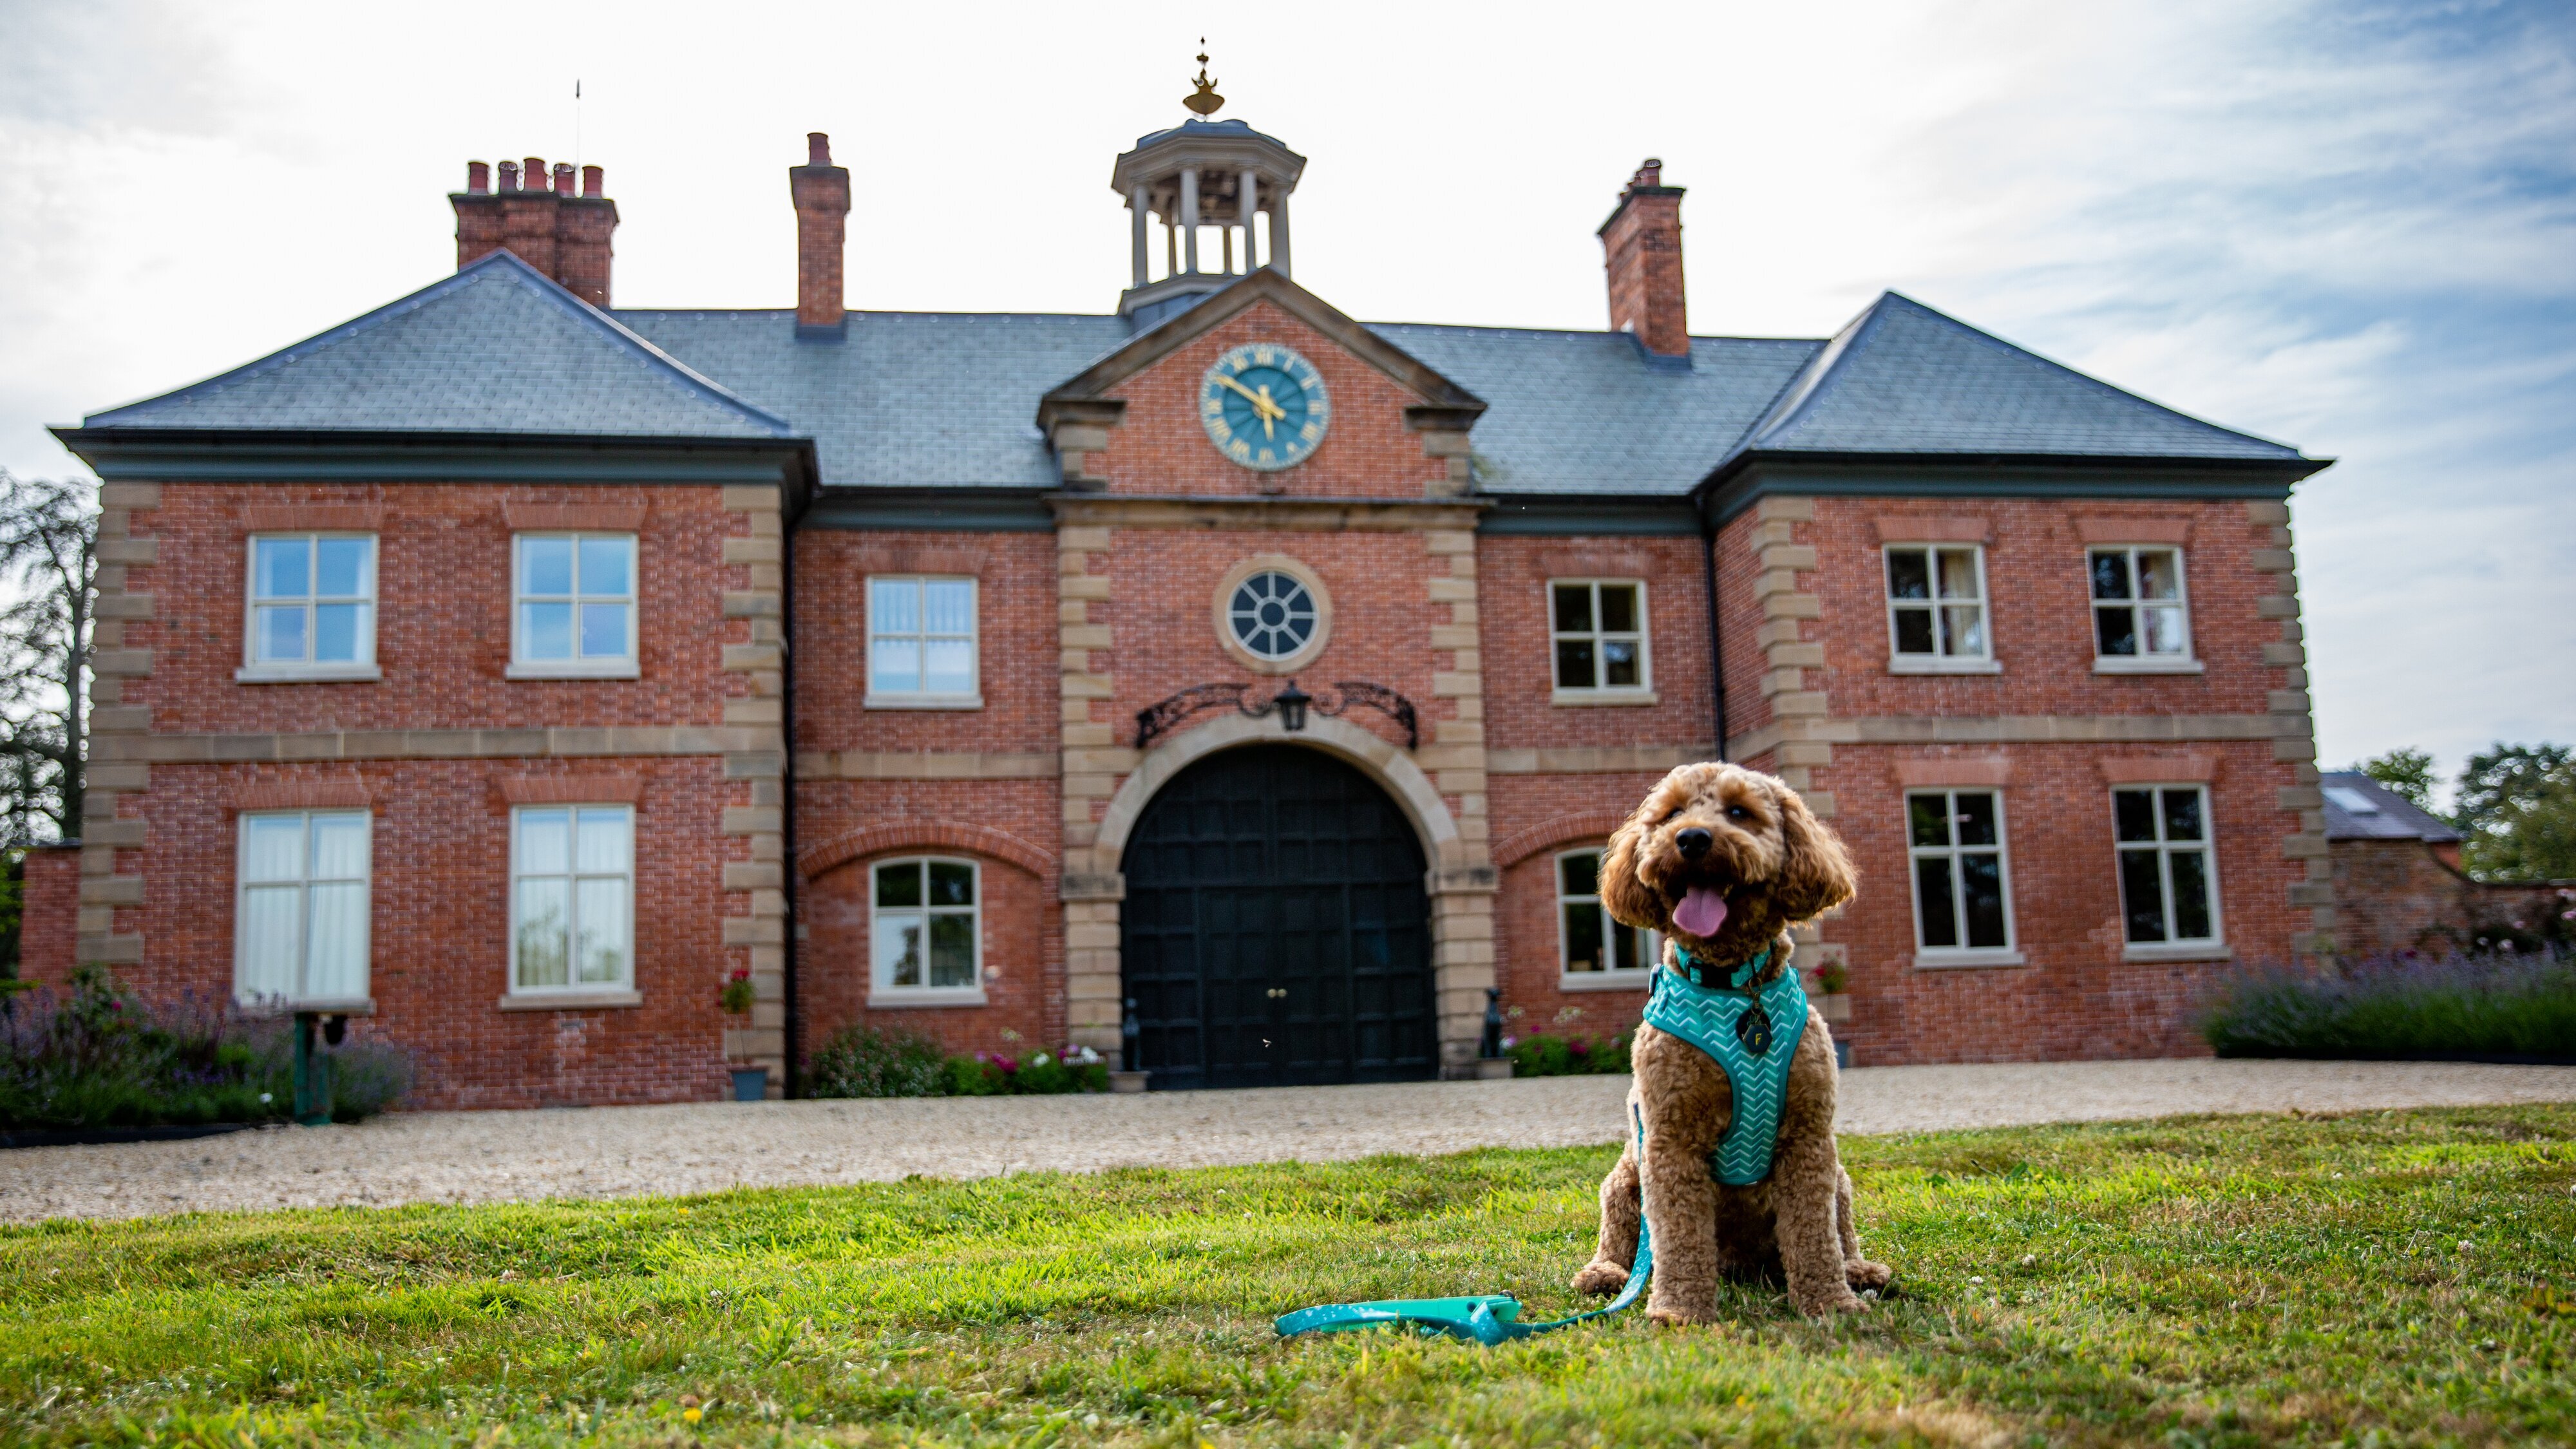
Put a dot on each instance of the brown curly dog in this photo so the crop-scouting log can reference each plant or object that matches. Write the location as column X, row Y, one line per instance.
column 1723, row 860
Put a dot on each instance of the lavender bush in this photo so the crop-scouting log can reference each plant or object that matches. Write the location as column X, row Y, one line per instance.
column 2512, row 1004
column 102, row 1059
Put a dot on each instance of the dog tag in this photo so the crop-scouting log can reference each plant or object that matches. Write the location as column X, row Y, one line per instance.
column 1753, row 1029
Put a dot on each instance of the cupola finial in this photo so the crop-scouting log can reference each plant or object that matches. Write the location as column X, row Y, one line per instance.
column 1206, row 102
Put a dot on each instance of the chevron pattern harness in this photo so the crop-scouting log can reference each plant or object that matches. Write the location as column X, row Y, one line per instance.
column 1753, row 1038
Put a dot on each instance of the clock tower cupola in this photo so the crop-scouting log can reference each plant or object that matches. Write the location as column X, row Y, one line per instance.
column 1202, row 183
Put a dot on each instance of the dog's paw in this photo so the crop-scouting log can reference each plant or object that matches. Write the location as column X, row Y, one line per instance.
column 1861, row 1273
column 1601, row 1280
column 1844, row 1302
column 1671, row 1316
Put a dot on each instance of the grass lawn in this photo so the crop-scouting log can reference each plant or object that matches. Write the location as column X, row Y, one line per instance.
column 2384, row 1278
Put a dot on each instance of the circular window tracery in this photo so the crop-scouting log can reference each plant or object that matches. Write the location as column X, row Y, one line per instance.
column 1272, row 614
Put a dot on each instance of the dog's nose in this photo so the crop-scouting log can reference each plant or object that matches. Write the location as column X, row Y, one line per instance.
column 1694, row 843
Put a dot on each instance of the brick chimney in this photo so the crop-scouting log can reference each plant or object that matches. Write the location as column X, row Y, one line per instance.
column 821, row 191
column 1641, row 245
column 534, row 214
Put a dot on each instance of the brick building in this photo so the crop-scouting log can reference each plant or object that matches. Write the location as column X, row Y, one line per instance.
column 512, row 668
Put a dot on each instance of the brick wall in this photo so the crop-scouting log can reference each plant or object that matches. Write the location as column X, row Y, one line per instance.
column 48, row 919
column 435, row 750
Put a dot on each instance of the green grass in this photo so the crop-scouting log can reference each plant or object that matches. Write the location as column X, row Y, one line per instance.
column 2206, row 1282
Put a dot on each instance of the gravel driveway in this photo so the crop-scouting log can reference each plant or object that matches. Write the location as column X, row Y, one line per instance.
column 630, row 1151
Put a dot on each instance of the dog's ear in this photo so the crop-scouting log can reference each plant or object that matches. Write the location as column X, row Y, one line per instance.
column 1816, row 873
column 1624, row 896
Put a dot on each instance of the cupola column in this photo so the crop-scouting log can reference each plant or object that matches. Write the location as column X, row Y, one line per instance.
column 1249, row 189
column 1136, row 226
column 1279, row 231
column 1190, row 218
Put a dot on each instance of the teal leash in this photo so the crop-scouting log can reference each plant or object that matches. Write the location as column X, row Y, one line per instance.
column 1490, row 1318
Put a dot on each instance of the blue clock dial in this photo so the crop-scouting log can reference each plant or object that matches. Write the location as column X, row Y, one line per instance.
column 1264, row 406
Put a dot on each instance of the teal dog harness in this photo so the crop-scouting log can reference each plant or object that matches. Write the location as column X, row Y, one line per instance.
column 1741, row 1031
column 1752, row 1036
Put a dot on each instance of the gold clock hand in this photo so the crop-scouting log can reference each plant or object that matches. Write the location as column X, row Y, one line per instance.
column 1270, row 411
column 1261, row 403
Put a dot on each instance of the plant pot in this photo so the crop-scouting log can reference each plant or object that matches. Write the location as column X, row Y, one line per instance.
column 751, row 1084
column 1494, row 1069
column 1128, row 1081
column 1833, row 1008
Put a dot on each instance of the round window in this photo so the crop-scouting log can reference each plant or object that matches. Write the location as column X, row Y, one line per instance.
column 1272, row 614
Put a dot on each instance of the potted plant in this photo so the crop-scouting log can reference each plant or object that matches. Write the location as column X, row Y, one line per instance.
column 750, row 1084
column 1832, row 993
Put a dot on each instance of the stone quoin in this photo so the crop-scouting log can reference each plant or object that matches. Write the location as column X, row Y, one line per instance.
column 507, row 668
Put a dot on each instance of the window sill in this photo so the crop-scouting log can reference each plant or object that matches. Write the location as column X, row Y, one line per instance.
column 267, row 1007
column 2177, row 951
column 1966, row 960
column 2144, row 664
column 1633, row 980
column 1576, row 698
column 900, row 998
column 569, row 1000
column 624, row 669
column 922, row 701
column 306, row 674
column 1929, row 664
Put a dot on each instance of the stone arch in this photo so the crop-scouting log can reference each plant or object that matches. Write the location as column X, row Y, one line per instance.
column 1567, row 829
column 1385, row 763
column 869, row 840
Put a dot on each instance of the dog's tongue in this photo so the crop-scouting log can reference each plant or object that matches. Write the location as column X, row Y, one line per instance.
column 1701, row 912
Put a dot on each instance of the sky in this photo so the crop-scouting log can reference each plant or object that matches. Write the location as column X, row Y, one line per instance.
column 2351, row 227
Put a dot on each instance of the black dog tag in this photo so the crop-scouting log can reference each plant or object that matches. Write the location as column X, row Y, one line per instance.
column 1753, row 1029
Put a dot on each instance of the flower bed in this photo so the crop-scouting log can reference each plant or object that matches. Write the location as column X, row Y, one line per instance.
column 865, row 1061
column 2514, row 1007
column 103, row 1060
column 1557, row 1056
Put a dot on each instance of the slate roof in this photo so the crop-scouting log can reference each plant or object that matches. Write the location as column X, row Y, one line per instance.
column 949, row 400
column 911, row 399
column 2391, row 816
column 1902, row 378
column 496, row 348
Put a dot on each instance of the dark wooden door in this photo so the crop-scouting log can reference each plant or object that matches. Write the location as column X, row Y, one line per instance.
column 1275, row 930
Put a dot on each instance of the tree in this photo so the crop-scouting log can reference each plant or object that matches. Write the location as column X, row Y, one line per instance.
column 49, row 564
column 2408, row 772
column 2517, row 810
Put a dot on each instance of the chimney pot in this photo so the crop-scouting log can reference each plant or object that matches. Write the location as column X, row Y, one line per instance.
column 818, row 149
column 478, row 178
column 571, row 244
column 1641, row 246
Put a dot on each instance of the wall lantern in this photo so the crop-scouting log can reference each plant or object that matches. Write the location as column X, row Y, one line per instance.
column 1292, row 703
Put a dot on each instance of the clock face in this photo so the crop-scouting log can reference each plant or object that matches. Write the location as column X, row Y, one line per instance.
column 1264, row 406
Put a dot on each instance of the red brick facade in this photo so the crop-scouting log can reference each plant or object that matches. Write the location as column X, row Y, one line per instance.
column 1112, row 607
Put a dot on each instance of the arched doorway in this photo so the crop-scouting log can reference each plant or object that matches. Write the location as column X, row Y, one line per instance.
column 1275, row 930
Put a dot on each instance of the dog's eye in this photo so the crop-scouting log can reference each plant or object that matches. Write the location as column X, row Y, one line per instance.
column 1738, row 812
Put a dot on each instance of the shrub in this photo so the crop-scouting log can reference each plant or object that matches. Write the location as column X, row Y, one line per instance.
column 1557, row 1056
column 2507, row 1005
column 103, row 1059
column 864, row 1061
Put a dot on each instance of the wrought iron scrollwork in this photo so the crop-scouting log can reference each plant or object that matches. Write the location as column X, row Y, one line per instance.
column 1291, row 703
